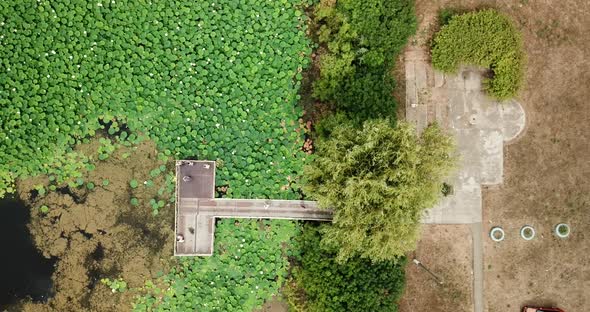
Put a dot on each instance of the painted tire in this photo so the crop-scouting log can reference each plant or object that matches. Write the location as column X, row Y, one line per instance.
column 523, row 235
column 493, row 232
column 561, row 235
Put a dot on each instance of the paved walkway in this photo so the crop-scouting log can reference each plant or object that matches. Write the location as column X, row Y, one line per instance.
column 199, row 214
column 196, row 209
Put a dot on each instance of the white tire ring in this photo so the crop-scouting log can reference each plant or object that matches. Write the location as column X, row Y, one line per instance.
column 562, row 235
column 494, row 231
column 524, row 228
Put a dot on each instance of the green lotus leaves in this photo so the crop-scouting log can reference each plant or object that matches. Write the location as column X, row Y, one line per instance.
column 82, row 66
column 249, row 266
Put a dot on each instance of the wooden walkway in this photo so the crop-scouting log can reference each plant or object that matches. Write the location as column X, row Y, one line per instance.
column 196, row 208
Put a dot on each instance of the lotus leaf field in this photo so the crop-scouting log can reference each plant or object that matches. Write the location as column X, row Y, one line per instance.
column 249, row 267
column 203, row 79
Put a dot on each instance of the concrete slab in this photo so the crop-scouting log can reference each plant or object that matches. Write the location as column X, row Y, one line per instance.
column 198, row 178
column 479, row 124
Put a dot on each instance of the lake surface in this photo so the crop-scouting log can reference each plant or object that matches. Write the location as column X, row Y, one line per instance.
column 24, row 272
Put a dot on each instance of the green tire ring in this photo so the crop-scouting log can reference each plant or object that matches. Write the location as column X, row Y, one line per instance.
column 523, row 232
column 493, row 232
column 561, row 226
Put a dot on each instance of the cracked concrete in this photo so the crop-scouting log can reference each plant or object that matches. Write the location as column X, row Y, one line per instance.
column 479, row 124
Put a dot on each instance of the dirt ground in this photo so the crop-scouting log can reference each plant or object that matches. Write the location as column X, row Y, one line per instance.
column 446, row 251
column 546, row 169
column 275, row 304
column 98, row 234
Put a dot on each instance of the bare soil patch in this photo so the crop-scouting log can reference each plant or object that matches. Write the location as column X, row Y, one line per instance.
column 98, row 234
column 446, row 250
column 547, row 169
column 275, row 304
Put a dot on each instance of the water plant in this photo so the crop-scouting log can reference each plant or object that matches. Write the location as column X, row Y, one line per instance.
column 116, row 285
column 249, row 266
column 190, row 80
column 40, row 190
column 206, row 79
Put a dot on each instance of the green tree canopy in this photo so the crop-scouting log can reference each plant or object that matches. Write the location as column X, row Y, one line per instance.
column 378, row 179
column 361, row 39
column 355, row 285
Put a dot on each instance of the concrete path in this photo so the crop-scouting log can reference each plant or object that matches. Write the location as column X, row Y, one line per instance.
column 196, row 209
column 196, row 219
column 476, row 234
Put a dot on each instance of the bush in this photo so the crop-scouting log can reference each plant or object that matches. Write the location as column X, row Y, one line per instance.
column 484, row 38
column 378, row 180
column 362, row 39
column 355, row 285
column 446, row 14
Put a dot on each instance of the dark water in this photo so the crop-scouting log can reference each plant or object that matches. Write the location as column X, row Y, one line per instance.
column 24, row 272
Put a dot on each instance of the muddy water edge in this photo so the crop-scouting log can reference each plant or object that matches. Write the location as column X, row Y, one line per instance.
column 96, row 232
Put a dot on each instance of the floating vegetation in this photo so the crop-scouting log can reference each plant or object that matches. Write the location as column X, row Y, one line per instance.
column 208, row 79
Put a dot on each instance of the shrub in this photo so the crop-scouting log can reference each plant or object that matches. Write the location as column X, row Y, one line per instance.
column 378, row 180
column 484, row 38
column 320, row 283
column 362, row 39
column 446, row 14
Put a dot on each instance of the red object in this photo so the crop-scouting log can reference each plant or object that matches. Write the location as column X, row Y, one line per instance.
column 535, row 309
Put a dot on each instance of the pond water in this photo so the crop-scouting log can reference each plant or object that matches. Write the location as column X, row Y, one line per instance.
column 24, row 272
